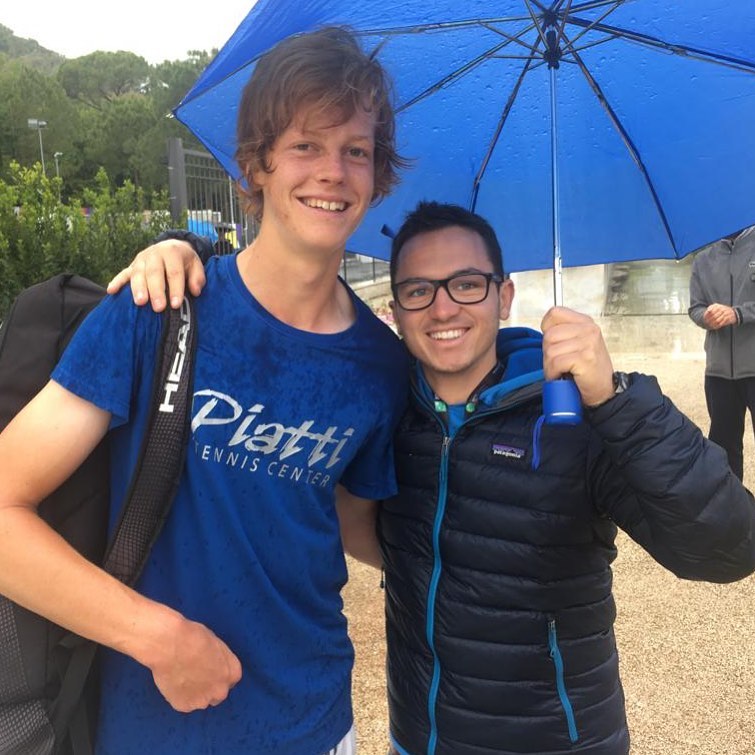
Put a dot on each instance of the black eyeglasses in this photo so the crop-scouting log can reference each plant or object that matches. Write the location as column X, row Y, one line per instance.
column 463, row 288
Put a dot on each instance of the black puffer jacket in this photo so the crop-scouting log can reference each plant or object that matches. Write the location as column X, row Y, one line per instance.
column 498, row 582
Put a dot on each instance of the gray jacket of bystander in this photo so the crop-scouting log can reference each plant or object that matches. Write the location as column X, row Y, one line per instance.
column 724, row 273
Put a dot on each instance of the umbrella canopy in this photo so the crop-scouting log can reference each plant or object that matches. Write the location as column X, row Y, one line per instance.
column 595, row 131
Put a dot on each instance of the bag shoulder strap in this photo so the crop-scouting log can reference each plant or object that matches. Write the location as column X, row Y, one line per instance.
column 153, row 486
column 158, row 470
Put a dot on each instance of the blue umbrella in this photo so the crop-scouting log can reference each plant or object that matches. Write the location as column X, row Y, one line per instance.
column 586, row 132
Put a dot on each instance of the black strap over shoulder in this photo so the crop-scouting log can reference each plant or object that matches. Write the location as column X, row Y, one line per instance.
column 153, row 486
column 158, row 471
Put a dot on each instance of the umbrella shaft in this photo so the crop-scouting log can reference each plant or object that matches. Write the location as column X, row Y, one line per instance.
column 558, row 291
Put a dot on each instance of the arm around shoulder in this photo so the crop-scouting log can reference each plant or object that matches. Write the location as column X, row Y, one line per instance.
column 174, row 261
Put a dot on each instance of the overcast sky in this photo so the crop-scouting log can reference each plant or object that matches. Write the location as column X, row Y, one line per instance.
column 155, row 29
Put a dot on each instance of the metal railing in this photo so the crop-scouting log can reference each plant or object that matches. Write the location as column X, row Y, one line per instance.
column 201, row 190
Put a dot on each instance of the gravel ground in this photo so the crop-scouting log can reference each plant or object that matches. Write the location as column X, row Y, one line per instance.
column 687, row 649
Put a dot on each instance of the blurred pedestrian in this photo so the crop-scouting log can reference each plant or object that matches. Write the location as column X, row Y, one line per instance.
column 722, row 301
column 223, row 245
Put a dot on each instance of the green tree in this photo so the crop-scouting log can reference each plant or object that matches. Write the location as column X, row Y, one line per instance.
column 24, row 94
column 117, row 136
column 104, row 110
column 171, row 80
column 29, row 52
column 102, row 77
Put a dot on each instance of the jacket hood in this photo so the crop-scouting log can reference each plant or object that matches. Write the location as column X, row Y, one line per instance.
column 521, row 351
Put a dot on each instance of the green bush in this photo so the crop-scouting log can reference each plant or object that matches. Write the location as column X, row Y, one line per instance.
column 94, row 235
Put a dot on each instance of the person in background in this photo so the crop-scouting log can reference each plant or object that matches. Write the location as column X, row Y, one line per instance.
column 497, row 549
column 234, row 640
column 722, row 302
column 223, row 245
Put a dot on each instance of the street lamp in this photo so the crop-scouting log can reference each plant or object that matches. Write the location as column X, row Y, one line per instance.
column 38, row 124
column 56, row 155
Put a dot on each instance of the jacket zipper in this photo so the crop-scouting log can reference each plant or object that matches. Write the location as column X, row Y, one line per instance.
column 731, row 327
column 432, row 593
column 432, row 698
column 558, row 662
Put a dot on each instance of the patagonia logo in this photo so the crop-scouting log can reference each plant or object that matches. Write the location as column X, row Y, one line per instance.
column 511, row 452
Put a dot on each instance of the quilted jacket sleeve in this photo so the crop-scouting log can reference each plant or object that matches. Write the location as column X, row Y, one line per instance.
column 659, row 479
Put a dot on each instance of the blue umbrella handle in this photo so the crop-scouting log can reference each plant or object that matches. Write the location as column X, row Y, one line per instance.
column 562, row 404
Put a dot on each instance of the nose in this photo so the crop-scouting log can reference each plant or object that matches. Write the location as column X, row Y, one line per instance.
column 331, row 167
column 444, row 306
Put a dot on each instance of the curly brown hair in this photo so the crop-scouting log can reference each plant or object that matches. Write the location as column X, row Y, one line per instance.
column 326, row 70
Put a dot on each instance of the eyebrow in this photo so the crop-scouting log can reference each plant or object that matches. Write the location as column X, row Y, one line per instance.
column 310, row 131
column 462, row 271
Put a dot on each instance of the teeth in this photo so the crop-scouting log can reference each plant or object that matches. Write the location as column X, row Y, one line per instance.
column 446, row 335
column 323, row 205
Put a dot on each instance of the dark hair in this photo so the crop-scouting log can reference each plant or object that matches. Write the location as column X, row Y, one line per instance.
column 324, row 69
column 434, row 216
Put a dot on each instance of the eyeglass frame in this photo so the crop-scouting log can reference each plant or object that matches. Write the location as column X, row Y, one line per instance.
column 443, row 283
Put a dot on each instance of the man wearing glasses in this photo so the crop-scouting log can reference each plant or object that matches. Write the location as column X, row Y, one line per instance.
column 497, row 547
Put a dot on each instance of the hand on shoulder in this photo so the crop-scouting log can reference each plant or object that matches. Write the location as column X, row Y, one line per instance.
column 171, row 264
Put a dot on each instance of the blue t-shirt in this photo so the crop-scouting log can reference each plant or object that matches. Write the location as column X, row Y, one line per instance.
column 251, row 547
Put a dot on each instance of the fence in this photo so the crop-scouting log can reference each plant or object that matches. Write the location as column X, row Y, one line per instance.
column 200, row 188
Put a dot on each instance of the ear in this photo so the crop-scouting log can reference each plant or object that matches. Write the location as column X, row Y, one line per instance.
column 505, row 297
column 255, row 177
column 256, row 171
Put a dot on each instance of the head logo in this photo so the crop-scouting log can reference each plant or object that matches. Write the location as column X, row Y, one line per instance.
column 174, row 375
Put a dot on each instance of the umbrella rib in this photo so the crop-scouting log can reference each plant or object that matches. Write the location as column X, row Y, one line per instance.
column 565, row 17
column 588, row 45
column 511, row 37
column 533, row 15
column 386, row 31
column 395, row 31
column 595, row 4
column 593, row 24
column 487, row 23
column 499, row 128
column 513, row 57
column 614, row 118
column 686, row 51
column 458, row 73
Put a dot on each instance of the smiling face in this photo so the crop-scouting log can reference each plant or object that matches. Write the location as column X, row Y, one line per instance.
column 320, row 180
column 454, row 342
